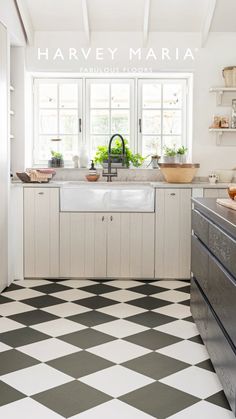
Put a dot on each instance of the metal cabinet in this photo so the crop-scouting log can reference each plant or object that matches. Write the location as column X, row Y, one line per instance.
column 41, row 232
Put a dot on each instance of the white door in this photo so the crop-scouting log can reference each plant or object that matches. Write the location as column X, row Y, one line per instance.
column 4, row 156
column 41, row 232
column 130, row 245
column 173, row 233
column 83, row 239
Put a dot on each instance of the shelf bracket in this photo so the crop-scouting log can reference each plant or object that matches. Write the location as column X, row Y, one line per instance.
column 219, row 137
column 219, row 96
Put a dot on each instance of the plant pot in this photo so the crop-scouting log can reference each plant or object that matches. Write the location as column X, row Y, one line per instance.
column 116, row 162
column 54, row 162
column 170, row 159
column 182, row 158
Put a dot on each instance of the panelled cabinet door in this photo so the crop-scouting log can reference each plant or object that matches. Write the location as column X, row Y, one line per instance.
column 130, row 245
column 41, row 232
column 173, row 233
column 83, row 245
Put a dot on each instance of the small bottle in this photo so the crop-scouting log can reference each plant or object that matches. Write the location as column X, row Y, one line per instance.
column 92, row 169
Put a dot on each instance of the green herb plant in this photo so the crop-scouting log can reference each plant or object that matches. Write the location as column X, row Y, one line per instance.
column 56, row 155
column 101, row 155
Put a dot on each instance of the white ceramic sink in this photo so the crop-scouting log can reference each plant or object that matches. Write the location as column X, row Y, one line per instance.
column 106, row 197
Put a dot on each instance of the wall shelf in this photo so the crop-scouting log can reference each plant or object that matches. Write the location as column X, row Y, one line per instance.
column 220, row 131
column 220, row 91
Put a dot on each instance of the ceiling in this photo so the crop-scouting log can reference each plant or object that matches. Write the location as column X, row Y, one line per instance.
column 128, row 15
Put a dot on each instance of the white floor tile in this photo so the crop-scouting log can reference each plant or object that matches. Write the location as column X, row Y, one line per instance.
column 119, row 351
column 27, row 283
column 116, row 380
column 48, row 349
column 35, row 379
column 8, row 309
column 171, row 284
column 72, row 295
column 179, row 328
column 78, row 283
column 6, row 325
column 58, row 327
column 22, row 294
column 203, row 410
column 27, row 409
column 122, row 310
column 173, row 296
column 4, row 347
column 179, row 311
column 123, row 295
column 66, row 309
column 190, row 380
column 186, row 351
column 114, row 409
column 123, row 284
column 120, row 328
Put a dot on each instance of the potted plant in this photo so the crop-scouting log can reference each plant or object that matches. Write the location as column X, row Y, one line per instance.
column 170, row 154
column 56, row 159
column 101, row 155
column 182, row 154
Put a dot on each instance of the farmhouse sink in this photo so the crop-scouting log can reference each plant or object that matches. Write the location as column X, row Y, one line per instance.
column 106, row 198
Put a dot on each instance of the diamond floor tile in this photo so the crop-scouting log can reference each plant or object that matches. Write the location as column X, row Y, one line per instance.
column 104, row 349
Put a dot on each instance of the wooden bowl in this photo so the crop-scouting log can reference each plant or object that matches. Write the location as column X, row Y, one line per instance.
column 178, row 173
column 92, row 178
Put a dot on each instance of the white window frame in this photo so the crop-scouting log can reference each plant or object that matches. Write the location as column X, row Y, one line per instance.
column 84, row 81
column 79, row 109
column 115, row 80
column 185, row 108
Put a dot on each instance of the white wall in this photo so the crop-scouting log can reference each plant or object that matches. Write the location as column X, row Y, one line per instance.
column 9, row 17
column 207, row 69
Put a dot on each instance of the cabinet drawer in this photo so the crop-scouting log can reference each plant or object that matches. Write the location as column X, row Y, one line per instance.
column 222, row 296
column 199, row 263
column 199, row 309
column 200, row 226
column 223, row 247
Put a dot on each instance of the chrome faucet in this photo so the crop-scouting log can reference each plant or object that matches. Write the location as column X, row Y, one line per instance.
column 110, row 174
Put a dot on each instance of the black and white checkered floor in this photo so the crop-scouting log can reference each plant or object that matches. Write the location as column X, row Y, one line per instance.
column 104, row 350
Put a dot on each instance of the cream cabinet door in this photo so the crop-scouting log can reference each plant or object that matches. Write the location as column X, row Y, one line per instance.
column 83, row 245
column 215, row 193
column 41, row 232
column 130, row 245
column 173, row 233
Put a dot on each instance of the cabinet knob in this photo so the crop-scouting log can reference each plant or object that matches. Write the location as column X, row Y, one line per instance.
column 111, row 218
column 173, row 194
column 40, row 193
column 103, row 218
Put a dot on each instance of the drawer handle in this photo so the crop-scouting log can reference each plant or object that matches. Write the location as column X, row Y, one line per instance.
column 111, row 218
column 173, row 194
column 40, row 193
column 103, row 218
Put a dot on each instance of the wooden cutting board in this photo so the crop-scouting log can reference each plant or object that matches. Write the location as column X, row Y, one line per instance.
column 229, row 203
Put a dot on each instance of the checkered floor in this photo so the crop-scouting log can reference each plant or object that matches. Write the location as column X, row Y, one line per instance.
column 104, row 350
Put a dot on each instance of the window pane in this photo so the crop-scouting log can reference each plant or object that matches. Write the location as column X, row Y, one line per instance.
column 97, row 140
column 172, row 95
column 99, row 122
column 151, row 145
column 69, row 146
column 120, row 122
column 172, row 141
column 68, row 122
column 68, row 94
column 48, row 95
column 99, row 95
column 151, row 122
column 152, row 95
column 43, row 148
column 120, row 96
column 48, row 122
column 172, row 122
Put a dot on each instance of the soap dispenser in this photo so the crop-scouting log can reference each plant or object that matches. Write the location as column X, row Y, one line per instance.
column 92, row 168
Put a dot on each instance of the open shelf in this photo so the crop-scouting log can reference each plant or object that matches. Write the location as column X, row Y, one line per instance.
column 220, row 91
column 220, row 131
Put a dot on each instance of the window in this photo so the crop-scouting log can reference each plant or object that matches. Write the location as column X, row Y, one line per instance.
column 109, row 111
column 149, row 112
column 162, row 114
column 58, row 113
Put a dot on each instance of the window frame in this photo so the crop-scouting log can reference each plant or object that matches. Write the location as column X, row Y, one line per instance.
column 135, row 80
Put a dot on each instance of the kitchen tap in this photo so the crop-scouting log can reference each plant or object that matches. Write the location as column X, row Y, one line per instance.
column 110, row 174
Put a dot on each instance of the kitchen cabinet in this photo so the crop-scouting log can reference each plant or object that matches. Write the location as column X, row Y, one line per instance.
column 41, row 232
column 114, row 245
column 173, row 233
column 215, row 193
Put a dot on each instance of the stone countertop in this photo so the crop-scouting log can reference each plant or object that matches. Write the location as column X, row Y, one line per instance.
column 161, row 184
column 220, row 215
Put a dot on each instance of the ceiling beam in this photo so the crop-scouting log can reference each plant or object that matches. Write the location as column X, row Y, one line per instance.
column 146, row 21
column 207, row 22
column 86, row 19
column 26, row 21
